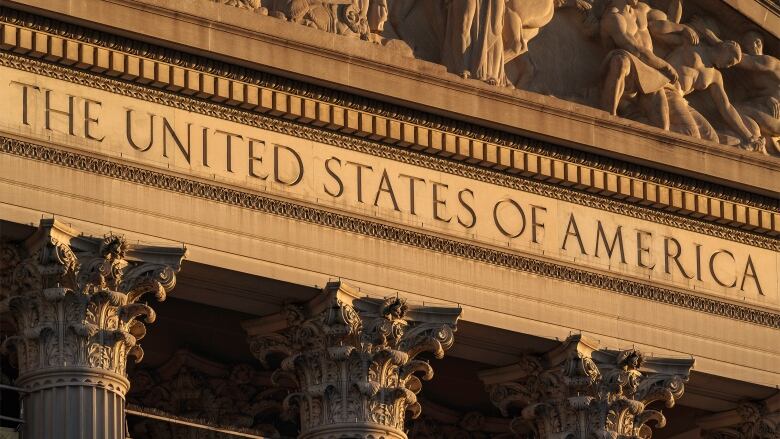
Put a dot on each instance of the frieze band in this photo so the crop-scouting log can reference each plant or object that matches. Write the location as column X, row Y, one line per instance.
column 388, row 152
column 383, row 231
column 382, row 109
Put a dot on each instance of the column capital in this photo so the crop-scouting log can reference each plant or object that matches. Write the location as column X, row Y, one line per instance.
column 578, row 390
column 78, row 306
column 76, row 300
column 353, row 360
column 749, row 420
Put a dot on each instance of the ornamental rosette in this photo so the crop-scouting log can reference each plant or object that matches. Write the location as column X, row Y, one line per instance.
column 79, row 302
column 351, row 360
column 581, row 392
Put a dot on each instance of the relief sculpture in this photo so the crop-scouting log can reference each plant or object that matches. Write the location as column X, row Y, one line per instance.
column 665, row 63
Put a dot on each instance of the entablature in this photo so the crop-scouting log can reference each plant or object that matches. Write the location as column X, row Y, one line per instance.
column 375, row 71
column 256, row 92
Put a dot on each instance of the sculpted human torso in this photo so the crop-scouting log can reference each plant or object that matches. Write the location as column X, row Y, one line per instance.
column 765, row 77
column 631, row 21
column 693, row 74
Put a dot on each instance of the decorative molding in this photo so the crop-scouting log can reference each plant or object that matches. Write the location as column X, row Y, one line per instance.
column 261, row 92
column 352, row 361
column 579, row 391
column 387, row 232
column 76, row 303
column 188, row 386
column 750, row 420
column 401, row 154
column 438, row 422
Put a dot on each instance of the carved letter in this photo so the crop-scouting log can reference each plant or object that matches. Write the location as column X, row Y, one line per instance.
column 359, row 176
column 642, row 250
column 601, row 236
column 698, row 262
column 229, row 147
column 749, row 266
column 437, row 202
column 675, row 257
column 253, row 159
column 168, row 129
column 129, row 131
column 385, row 186
column 276, row 165
column 25, row 96
column 205, row 147
column 535, row 224
column 88, row 121
column 712, row 268
column 68, row 112
column 572, row 230
column 332, row 173
column 468, row 208
column 498, row 222
column 412, row 181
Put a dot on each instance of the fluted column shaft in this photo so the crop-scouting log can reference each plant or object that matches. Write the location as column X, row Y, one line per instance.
column 75, row 302
column 66, row 404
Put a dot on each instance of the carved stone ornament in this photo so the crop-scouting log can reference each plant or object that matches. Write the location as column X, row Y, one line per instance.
column 358, row 18
column 750, row 420
column 653, row 61
column 238, row 397
column 440, row 422
column 353, row 361
column 578, row 391
column 78, row 307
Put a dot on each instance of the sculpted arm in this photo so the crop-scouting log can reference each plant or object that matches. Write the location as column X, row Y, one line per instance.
column 615, row 26
column 673, row 33
column 727, row 111
column 761, row 63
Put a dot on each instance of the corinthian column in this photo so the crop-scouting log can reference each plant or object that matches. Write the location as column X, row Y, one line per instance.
column 78, row 304
column 351, row 361
column 750, row 420
column 580, row 392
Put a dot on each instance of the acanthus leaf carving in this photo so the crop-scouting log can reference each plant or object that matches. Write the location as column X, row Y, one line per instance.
column 749, row 420
column 75, row 300
column 579, row 391
column 354, row 362
column 188, row 386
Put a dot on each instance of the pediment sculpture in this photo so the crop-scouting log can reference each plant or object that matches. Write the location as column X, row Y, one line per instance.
column 672, row 64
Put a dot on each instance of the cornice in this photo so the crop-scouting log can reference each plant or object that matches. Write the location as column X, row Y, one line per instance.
column 263, row 92
column 377, row 230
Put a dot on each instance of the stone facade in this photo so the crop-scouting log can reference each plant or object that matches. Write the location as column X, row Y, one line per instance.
column 576, row 201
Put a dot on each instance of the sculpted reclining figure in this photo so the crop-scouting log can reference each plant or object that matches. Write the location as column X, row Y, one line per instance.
column 697, row 67
column 345, row 17
column 650, row 62
column 633, row 71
